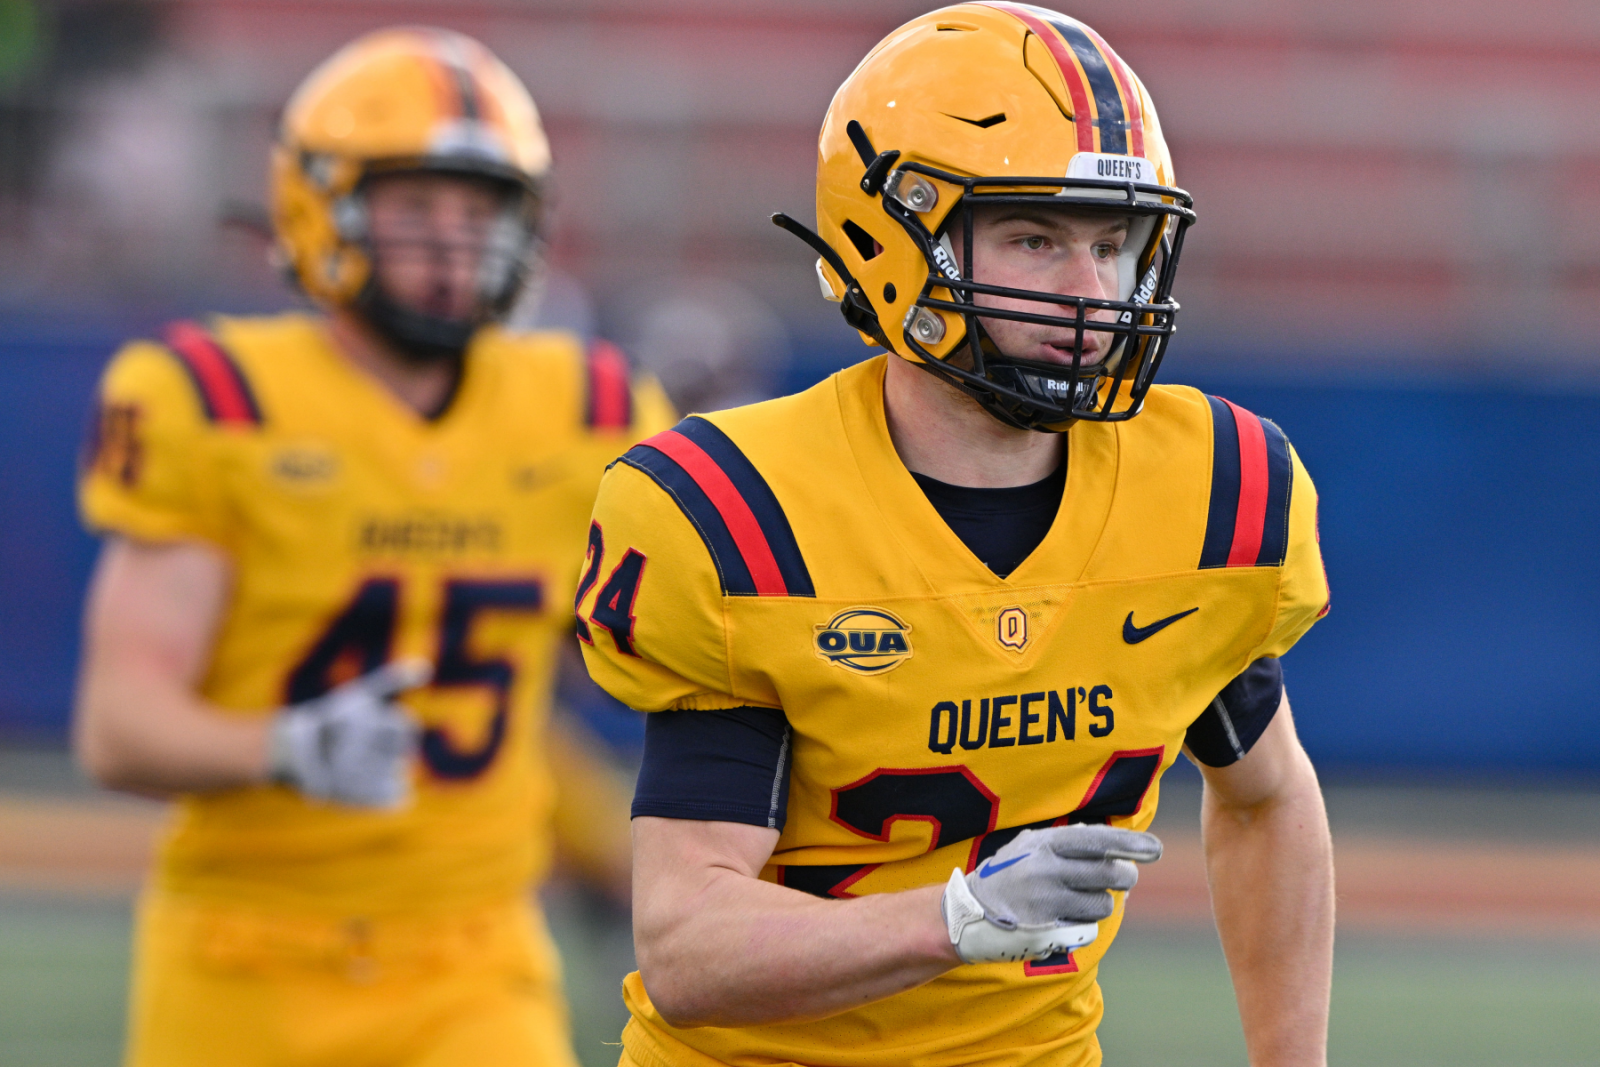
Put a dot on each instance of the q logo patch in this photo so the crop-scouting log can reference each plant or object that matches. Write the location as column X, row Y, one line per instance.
column 1011, row 628
column 865, row 640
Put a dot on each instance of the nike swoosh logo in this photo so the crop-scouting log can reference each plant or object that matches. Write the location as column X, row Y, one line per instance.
column 1134, row 634
column 991, row 867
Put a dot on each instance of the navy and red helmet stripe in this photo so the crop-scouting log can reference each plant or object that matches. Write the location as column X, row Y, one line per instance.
column 1251, row 477
column 609, row 405
column 225, row 393
column 731, row 505
column 1091, row 70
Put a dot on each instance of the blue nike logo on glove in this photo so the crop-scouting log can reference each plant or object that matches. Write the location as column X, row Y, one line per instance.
column 991, row 867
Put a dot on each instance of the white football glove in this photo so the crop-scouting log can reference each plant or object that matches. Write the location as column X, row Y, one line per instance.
column 1044, row 892
column 352, row 745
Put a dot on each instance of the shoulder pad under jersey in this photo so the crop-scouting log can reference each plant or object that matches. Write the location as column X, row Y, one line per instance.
column 147, row 470
column 683, row 521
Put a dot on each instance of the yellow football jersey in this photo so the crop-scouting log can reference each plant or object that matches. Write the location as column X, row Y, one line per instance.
column 360, row 532
column 782, row 556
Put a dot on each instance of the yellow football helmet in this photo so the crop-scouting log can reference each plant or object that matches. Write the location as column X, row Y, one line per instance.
column 405, row 99
column 990, row 103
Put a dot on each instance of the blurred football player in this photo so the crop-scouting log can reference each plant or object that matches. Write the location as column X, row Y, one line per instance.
column 921, row 641
column 338, row 546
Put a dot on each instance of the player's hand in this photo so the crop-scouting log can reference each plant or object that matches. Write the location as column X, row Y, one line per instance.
column 1043, row 893
column 352, row 745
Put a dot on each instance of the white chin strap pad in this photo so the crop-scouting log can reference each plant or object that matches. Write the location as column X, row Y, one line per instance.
column 978, row 940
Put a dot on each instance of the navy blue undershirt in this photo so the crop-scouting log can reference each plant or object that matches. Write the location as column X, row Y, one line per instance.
column 1001, row 527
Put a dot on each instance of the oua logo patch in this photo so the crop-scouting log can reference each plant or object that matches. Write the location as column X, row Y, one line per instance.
column 863, row 639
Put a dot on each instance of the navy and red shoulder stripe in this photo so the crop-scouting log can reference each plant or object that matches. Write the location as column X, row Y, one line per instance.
column 609, row 404
column 225, row 393
column 733, row 507
column 1251, row 478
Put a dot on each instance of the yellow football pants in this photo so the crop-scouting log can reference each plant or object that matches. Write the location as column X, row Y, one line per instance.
column 216, row 985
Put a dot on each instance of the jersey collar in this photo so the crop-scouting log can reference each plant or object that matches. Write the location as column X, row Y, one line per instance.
column 941, row 556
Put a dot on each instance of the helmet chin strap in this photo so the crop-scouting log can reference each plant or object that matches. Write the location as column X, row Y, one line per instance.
column 420, row 338
column 1061, row 392
column 1023, row 382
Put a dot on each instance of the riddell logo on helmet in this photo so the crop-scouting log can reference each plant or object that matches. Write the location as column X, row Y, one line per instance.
column 1142, row 295
column 866, row 640
column 946, row 263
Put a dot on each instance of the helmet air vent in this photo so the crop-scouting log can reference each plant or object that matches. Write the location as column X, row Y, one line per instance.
column 982, row 124
column 865, row 243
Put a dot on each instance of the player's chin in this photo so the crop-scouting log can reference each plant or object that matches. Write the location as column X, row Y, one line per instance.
column 441, row 304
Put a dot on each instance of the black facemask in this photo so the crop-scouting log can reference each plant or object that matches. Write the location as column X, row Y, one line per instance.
column 1031, row 394
column 1027, row 394
column 420, row 337
column 508, row 259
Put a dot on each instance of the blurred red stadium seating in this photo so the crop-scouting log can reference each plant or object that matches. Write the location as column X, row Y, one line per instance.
column 1378, row 175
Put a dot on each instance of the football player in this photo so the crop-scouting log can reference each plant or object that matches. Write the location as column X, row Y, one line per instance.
column 337, row 549
column 920, row 642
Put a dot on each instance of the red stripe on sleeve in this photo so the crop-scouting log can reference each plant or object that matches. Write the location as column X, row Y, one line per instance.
column 1082, row 116
column 225, row 393
column 608, row 387
column 1251, row 520
column 730, row 505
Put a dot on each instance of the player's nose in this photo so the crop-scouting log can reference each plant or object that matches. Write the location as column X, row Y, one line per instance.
column 1079, row 274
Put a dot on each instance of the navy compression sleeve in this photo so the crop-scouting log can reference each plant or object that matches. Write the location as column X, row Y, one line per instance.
column 729, row 765
column 1236, row 719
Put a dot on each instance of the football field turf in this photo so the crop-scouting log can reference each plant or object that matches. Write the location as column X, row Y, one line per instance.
column 1415, row 1000
column 1420, row 1001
